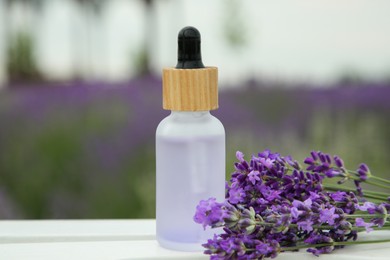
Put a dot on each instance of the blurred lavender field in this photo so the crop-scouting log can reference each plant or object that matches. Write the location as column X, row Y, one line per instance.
column 87, row 150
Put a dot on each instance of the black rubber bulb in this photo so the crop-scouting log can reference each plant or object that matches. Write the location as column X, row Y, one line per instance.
column 189, row 55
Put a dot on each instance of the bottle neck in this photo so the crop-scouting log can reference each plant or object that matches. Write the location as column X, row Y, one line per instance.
column 189, row 115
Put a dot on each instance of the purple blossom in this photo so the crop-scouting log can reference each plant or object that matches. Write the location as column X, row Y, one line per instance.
column 305, row 225
column 328, row 215
column 253, row 176
column 314, row 196
column 305, row 204
column 208, row 213
column 359, row 222
column 295, row 212
column 269, row 193
column 338, row 196
column 236, row 195
column 367, row 206
column 267, row 162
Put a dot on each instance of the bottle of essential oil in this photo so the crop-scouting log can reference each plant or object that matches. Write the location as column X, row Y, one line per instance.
column 190, row 147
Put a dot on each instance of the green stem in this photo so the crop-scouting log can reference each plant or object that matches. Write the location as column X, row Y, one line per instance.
column 365, row 216
column 377, row 184
column 344, row 243
column 326, row 227
column 380, row 179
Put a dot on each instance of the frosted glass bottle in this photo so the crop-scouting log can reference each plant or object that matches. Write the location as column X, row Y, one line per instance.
column 190, row 166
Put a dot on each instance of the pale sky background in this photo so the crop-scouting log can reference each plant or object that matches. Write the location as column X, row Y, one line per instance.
column 314, row 40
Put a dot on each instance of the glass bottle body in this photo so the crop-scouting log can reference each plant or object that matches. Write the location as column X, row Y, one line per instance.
column 190, row 166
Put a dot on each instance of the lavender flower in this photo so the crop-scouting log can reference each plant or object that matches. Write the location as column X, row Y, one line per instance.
column 270, row 207
column 209, row 213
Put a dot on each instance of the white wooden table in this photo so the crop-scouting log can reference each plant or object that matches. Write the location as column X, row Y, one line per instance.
column 126, row 239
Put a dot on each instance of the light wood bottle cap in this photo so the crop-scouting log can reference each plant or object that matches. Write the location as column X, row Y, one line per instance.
column 190, row 89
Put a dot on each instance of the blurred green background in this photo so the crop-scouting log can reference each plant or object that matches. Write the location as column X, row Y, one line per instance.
column 78, row 114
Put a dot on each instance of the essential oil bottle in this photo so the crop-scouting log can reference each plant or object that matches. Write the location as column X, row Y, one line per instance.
column 190, row 147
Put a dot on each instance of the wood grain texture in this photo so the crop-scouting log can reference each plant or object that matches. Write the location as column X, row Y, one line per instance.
column 190, row 89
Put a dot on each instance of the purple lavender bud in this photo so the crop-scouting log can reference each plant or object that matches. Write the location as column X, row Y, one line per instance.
column 245, row 164
column 363, row 171
column 314, row 155
column 321, row 168
column 239, row 167
column 328, row 158
column 322, row 157
column 338, row 161
column 309, row 161
column 240, row 156
column 332, row 173
column 364, row 167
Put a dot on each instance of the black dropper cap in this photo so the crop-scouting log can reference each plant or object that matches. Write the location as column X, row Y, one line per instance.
column 189, row 54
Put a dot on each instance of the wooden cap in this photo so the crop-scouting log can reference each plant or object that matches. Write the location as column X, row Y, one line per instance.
column 190, row 89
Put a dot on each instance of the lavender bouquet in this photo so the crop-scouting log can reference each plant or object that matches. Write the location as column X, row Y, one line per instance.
column 274, row 205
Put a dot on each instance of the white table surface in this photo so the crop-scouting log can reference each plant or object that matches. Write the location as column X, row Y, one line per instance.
column 128, row 239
